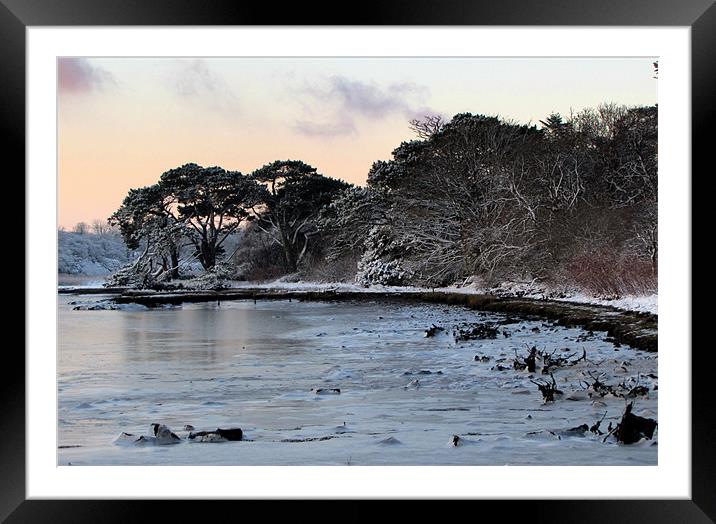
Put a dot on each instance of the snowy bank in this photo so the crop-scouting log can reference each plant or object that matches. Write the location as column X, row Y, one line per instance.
column 645, row 304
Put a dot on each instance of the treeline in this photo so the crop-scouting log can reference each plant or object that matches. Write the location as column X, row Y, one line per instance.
column 573, row 202
column 195, row 210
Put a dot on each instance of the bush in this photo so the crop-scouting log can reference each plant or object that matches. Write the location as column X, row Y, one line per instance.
column 382, row 263
column 262, row 273
column 213, row 279
column 385, row 273
column 260, row 258
column 338, row 269
column 610, row 275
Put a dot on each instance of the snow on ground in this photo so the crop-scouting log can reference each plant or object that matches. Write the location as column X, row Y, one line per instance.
column 403, row 395
column 645, row 303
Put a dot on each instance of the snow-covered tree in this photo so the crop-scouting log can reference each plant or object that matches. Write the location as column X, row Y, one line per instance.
column 148, row 218
column 347, row 221
column 293, row 194
column 211, row 203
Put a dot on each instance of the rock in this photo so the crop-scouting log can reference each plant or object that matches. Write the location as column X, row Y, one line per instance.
column 578, row 431
column 161, row 436
column 431, row 331
column 125, row 439
column 164, row 435
column 632, row 428
column 219, row 435
column 327, row 391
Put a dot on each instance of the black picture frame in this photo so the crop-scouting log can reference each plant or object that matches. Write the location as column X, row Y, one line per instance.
column 16, row 15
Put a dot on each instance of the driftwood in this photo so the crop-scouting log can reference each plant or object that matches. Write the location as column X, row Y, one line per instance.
column 548, row 389
column 529, row 362
column 549, row 361
column 637, row 391
column 632, row 428
column 621, row 390
column 598, row 387
column 595, row 427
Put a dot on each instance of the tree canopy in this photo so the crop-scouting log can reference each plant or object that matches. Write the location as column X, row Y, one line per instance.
column 212, row 203
column 293, row 195
column 575, row 198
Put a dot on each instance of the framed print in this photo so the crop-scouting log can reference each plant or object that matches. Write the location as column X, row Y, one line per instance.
column 417, row 254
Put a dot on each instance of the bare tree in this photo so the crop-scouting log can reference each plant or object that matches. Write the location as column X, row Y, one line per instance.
column 81, row 228
column 100, row 227
column 427, row 126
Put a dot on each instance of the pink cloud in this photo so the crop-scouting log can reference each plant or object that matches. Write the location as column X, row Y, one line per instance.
column 77, row 75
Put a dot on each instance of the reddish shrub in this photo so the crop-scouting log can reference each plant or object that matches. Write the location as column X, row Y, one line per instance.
column 607, row 274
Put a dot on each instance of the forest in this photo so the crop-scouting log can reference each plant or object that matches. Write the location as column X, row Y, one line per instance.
column 569, row 203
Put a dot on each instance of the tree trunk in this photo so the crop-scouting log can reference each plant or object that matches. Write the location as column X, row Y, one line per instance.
column 207, row 255
column 289, row 252
column 290, row 258
column 174, row 254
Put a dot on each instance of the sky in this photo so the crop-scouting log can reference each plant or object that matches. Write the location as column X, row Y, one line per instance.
column 122, row 122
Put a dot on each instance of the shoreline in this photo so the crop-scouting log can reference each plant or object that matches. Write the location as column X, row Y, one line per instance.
column 636, row 329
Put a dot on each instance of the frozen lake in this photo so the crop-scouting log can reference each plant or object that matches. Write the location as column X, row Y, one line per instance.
column 253, row 366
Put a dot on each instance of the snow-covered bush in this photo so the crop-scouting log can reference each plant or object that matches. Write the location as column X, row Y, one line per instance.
column 385, row 273
column 382, row 262
column 133, row 275
column 217, row 277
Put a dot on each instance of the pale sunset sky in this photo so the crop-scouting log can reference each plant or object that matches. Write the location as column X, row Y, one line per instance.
column 122, row 122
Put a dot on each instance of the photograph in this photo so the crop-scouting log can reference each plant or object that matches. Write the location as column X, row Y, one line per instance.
column 357, row 261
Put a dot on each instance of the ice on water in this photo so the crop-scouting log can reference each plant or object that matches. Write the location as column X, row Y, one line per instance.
column 403, row 397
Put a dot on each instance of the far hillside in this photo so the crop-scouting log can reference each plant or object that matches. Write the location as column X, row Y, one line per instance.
column 85, row 253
